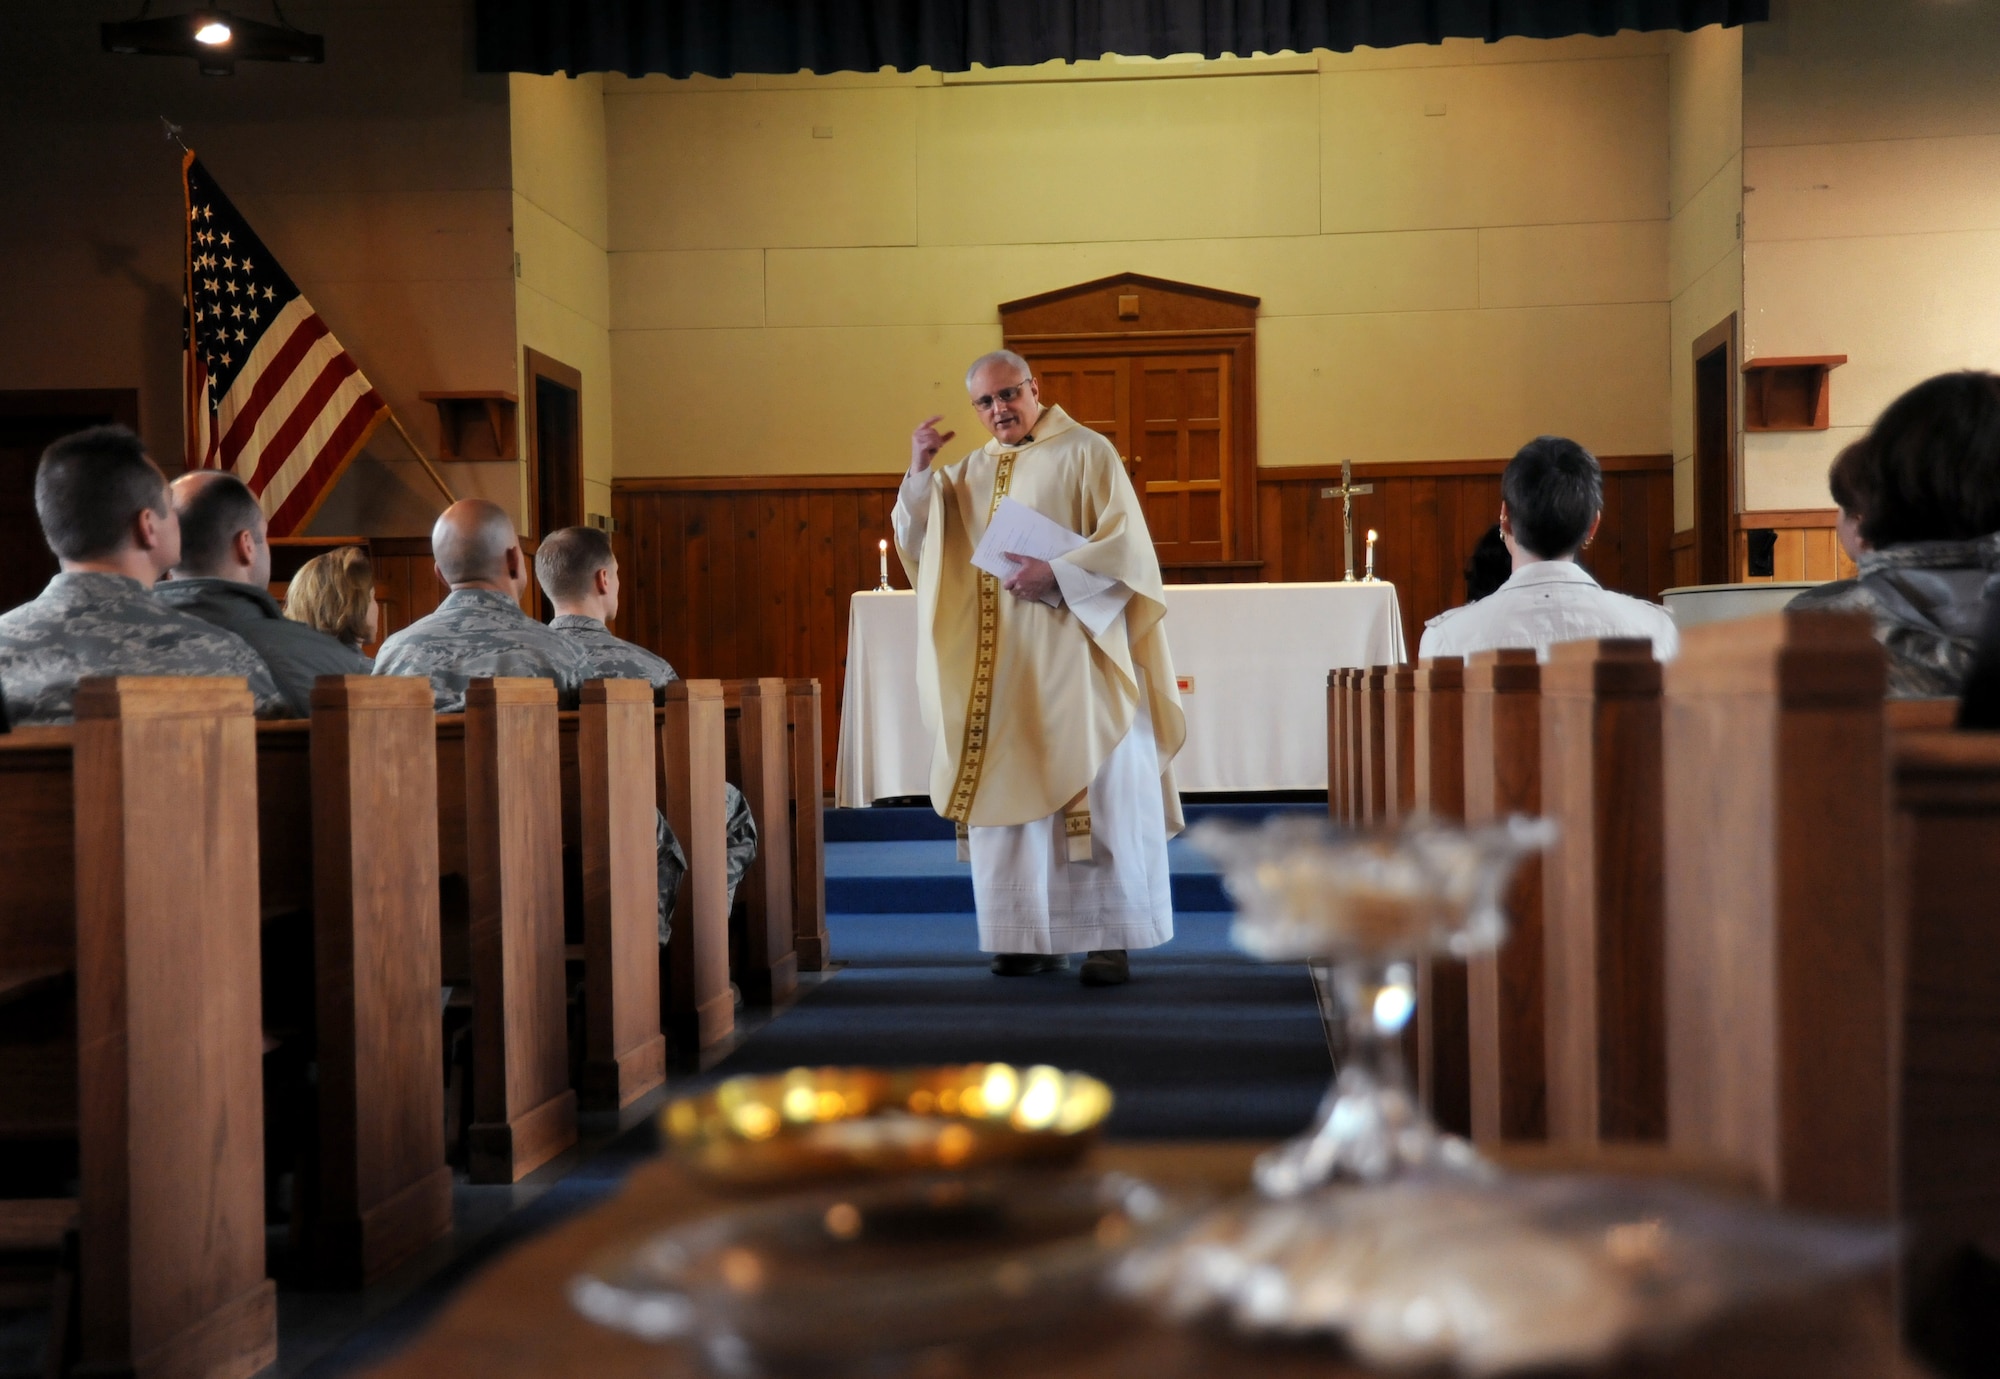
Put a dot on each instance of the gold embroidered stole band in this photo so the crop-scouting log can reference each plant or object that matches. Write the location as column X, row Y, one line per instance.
column 1076, row 826
column 972, row 753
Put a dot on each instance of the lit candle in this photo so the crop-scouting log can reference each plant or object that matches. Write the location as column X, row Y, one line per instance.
column 1371, row 556
column 883, row 548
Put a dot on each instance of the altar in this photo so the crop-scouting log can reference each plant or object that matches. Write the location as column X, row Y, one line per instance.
column 1251, row 658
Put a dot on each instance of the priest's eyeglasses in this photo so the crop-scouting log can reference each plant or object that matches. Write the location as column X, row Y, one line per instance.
column 1002, row 395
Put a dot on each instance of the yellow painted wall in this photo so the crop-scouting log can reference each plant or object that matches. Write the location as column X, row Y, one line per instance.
column 1457, row 247
column 562, row 300
column 1704, row 244
column 1871, row 211
column 379, row 180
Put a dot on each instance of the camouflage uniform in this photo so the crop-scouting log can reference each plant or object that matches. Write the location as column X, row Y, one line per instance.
column 1926, row 598
column 615, row 658
column 86, row 623
column 476, row 633
column 481, row 632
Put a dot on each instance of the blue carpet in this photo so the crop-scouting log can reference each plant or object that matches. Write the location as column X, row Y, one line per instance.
column 1203, row 1043
column 902, row 823
column 926, row 877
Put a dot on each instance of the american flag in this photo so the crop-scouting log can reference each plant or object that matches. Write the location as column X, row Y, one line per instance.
column 271, row 395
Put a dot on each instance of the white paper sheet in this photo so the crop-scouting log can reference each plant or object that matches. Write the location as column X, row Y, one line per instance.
column 1019, row 528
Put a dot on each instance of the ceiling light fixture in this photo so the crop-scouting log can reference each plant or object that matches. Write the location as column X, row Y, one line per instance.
column 214, row 38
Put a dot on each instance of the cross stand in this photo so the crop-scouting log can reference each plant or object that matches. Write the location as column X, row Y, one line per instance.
column 1346, row 493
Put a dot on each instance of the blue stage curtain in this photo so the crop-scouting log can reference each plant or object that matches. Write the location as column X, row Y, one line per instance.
column 722, row 37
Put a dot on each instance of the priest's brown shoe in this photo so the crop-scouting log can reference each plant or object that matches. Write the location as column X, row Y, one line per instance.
column 1027, row 964
column 1106, row 967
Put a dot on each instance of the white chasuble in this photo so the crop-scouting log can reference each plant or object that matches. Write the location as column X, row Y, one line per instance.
column 1053, row 729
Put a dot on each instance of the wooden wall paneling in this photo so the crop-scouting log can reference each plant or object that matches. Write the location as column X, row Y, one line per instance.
column 802, row 718
column 1777, row 956
column 1443, row 1077
column 740, row 577
column 690, row 778
column 524, row 1111
column 384, row 1190
column 1503, row 776
column 625, row 1054
column 770, row 971
column 1603, row 892
column 1372, row 742
column 1944, row 870
column 170, row 1106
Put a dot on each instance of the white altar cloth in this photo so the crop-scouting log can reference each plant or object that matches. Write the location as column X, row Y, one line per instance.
column 1252, row 660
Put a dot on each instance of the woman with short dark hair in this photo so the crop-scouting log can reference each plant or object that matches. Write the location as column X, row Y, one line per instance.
column 1922, row 493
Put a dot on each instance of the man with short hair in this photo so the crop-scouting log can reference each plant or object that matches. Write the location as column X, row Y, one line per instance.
column 480, row 629
column 1049, row 693
column 223, row 577
column 105, row 513
column 579, row 575
column 1551, row 500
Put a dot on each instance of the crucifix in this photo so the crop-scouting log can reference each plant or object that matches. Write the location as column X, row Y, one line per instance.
column 1346, row 492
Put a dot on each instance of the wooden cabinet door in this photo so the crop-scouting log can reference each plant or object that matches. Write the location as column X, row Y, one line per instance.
column 1182, row 452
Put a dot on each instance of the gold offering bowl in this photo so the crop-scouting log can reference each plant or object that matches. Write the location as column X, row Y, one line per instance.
column 841, row 1122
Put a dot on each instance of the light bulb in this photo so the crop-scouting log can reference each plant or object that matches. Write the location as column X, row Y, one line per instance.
column 213, row 33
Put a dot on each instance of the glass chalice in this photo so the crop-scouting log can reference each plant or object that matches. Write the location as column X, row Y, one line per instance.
column 1362, row 911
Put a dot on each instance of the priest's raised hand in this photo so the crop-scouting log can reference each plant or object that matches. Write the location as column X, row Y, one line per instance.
column 925, row 442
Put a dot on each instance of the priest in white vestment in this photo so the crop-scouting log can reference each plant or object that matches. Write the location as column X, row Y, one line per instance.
column 1053, row 727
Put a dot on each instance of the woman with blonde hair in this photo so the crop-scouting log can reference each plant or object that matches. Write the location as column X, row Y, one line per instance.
column 335, row 593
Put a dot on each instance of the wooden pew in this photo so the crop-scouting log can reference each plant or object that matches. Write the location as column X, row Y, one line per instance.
column 1373, row 701
column 152, row 796
column 1943, row 867
column 346, row 830
column 1399, row 743
column 1336, row 746
column 609, row 827
column 689, row 777
column 1603, row 892
column 802, row 723
column 382, row 1190
column 1839, row 1034
column 756, row 745
column 1503, row 775
column 1778, row 959
column 1438, row 765
column 500, row 829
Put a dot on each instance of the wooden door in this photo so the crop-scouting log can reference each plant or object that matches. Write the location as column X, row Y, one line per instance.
column 555, row 443
column 1095, row 391
column 1169, row 417
column 1182, row 456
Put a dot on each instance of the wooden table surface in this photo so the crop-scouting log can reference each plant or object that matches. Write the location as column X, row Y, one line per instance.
column 514, row 1319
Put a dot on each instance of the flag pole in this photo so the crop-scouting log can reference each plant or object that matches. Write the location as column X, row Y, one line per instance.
column 410, row 441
